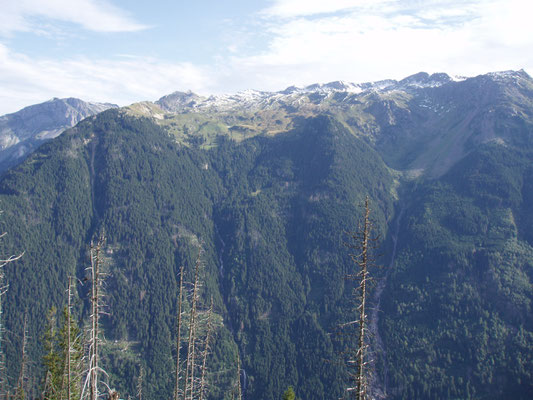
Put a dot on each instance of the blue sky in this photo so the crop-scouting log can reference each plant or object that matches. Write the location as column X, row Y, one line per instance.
column 125, row 51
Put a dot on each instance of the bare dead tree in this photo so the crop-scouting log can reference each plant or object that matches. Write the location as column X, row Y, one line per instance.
column 209, row 331
column 19, row 392
column 3, row 376
column 191, row 361
column 66, row 387
column 140, row 383
column 236, row 390
column 239, row 389
column 92, row 378
column 193, row 385
column 69, row 338
column 48, row 386
column 3, row 290
column 362, row 243
column 95, row 301
column 178, row 339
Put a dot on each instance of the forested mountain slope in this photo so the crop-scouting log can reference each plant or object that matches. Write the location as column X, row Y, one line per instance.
column 269, row 216
column 268, row 189
column 457, row 318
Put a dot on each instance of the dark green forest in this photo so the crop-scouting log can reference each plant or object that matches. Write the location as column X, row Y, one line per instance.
column 271, row 214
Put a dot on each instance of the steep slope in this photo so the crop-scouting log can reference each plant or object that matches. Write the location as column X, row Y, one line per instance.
column 435, row 127
column 126, row 177
column 423, row 123
column 284, row 260
column 269, row 183
column 270, row 213
column 22, row 132
column 457, row 320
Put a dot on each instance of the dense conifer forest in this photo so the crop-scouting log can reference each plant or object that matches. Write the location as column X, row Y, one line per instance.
column 450, row 311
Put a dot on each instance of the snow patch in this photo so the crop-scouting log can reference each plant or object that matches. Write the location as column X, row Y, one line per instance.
column 253, row 100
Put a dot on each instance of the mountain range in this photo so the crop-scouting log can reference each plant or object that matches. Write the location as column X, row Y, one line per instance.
column 268, row 185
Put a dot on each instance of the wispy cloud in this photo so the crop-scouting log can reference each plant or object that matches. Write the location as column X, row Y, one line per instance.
column 301, row 42
column 367, row 40
column 123, row 80
column 94, row 15
column 433, row 9
column 298, row 8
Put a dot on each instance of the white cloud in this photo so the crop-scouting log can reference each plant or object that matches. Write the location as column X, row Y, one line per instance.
column 94, row 15
column 315, row 41
column 463, row 37
column 124, row 80
column 295, row 8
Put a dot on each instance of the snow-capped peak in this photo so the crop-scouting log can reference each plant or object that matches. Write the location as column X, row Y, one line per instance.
column 255, row 99
column 502, row 76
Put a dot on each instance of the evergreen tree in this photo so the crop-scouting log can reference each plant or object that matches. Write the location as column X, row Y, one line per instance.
column 52, row 359
column 63, row 357
column 289, row 394
column 72, row 356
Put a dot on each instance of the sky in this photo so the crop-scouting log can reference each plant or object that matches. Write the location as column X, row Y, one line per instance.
column 124, row 51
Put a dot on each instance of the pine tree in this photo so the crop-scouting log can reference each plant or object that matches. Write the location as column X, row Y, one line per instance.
column 72, row 356
column 63, row 356
column 52, row 359
column 289, row 394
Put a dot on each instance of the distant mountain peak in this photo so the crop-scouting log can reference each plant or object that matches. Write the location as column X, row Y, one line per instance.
column 25, row 130
column 322, row 96
column 424, row 80
column 508, row 75
column 177, row 100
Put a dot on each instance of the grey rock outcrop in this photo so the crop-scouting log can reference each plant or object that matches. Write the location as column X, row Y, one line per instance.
column 25, row 130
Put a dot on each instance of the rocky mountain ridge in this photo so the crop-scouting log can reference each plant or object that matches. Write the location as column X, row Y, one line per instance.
column 422, row 124
column 254, row 99
column 25, row 130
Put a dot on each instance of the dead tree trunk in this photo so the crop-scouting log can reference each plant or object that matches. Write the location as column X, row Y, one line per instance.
column 3, row 289
column 140, row 384
column 191, row 361
column 363, row 264
column 237, row 385
column 178, row 339
column 239, row 389
column 19, row 393
column 362, row 242
column 68, row 348
column 95, row 300
column 203, row 379
column 91, row 381
column 3, row 377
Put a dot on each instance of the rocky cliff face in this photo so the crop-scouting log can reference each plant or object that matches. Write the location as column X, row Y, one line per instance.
column 22, row 132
